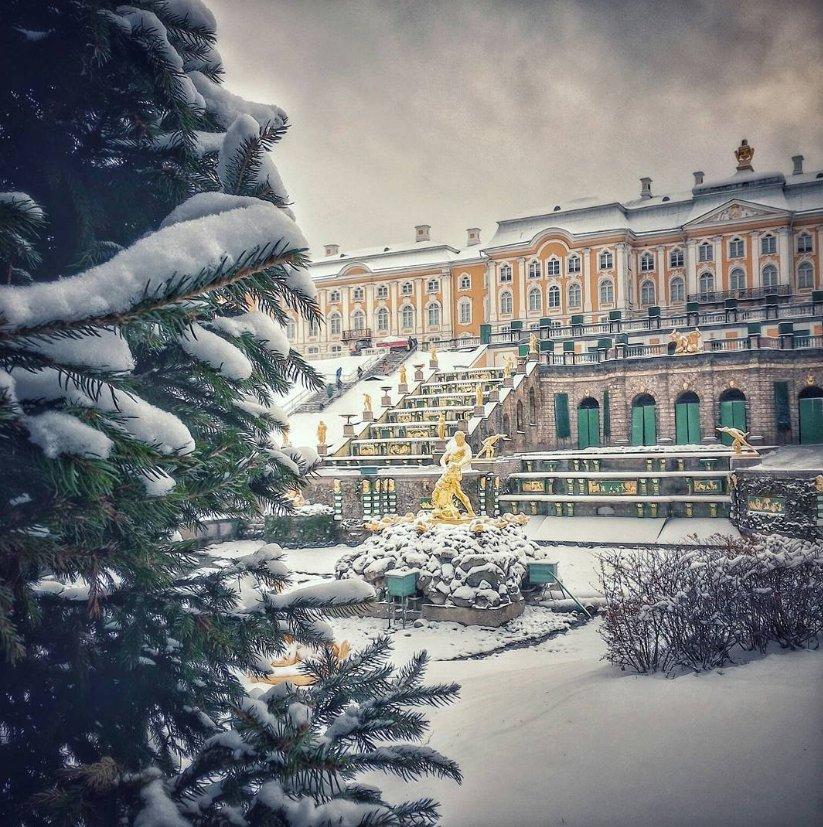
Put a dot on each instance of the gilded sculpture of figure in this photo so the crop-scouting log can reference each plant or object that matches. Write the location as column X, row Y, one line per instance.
column 487, row 448
column 366, row 402
column 403, row 376
column 457, row 457
column 744, row 154
column 507, row 367
column 441, row 426
column 478, row 395
column 687, row 342
column 533, row 343
column 739, row 441
column 433, row 352
column 322, row 429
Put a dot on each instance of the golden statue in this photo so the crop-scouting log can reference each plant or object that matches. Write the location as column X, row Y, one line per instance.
column 488, row 446
column 366, row 402
column 744, row 154
column 441, row 426
column 403, row 376
column 433, row 352
column 533, row 343
column 739, row 441
column 294, row 496
column 687, row 342
column 507, row 367
column 457, row 457
column 478, row 395
column 321, row 432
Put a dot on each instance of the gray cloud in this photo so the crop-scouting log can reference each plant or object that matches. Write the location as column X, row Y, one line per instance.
column 460, row 112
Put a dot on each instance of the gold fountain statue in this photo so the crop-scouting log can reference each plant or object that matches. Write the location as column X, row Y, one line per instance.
column 457, row 457
column 487, row 448
column 739, row 441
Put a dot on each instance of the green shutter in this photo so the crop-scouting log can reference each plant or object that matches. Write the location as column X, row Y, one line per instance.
column 687, row 423
column 782, row 416
column 588, row 428
column 637, row 425
column 561, row 416
column 732, row 415
column 607, row 419
column 644, row 425
column 811, row 421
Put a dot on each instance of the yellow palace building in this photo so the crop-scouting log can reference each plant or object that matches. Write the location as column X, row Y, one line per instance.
column 742, row 241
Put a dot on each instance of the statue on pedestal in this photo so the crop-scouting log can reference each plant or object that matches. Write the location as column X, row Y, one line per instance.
column 366, row 402
column 457, row 457
column 321, row 432
column 533, row 343
column 739, row 441
column 441, row 426
column 478, row 395
column 403, row 376
column 487, row 448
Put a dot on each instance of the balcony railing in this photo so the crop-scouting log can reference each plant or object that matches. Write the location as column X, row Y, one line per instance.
column 779, row 290
column 352, row 335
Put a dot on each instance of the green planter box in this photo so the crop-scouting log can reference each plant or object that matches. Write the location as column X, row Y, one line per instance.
column 401, row 585
column 541, row 574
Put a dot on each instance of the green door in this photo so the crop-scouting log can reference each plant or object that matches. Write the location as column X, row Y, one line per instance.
column 588, row 427
column 811, row 420
column 687, row 423
column 644, row 425
column 732, row 415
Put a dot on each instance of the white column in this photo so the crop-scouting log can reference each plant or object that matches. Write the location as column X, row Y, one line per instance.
column 345, row 322
column 447, row 326
column 491, row 275
column 371, row 319
column 660, row 294
column 521, row 288
column 420, row 317
column 622, row 277
column 585, row 273
column 394, row 307
column 691, row 267
column 785, row 270
column 720, row 282
column 755, row 279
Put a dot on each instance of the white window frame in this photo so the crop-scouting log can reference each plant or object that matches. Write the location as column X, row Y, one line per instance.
column 506, row 297
column 383, row 312
column 768, row 245
column 605, row 260
column 554, row 291
column 707, row 277
column 575, row 295
column 553, row 268
column 705, row 252
column 334, row 297
column 676, row 258
column 382, row 291
column 433, row 314
column 681, row 289
column 647, row 262
column 805, row 267
column 735, row 276
column 358, row 294
column 465, row 282
column 535, row 306
column 573, row 264
column 535, row 269
column 335, row 324
column 647, row 289
column 804, row 243
column 769, row 268
column 606, row 285
column 505, row 274
column 407, row 288
column 406, row 312
column 737, row 248
column 464, row 311
column 358, row 320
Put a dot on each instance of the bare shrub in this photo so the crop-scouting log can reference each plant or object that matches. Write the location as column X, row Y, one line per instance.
column 690, row 605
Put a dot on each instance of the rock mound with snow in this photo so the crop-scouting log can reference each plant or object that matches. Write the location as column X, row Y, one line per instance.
column 455, row 565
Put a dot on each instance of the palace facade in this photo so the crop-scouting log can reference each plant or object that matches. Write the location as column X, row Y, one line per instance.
column 750, row 238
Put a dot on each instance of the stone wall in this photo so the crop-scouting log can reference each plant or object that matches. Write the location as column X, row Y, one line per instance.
column 791, row 495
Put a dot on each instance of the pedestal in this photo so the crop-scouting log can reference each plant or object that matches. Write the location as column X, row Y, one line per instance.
column 348, row 429
column 433, row 364
column 385, row 401
column 479, row 410
column 439, row 445
column 494, row 395
column 521, row 364
column 322, row 450
column 402, row 388
column 418, row 374
column 508, row 382
column 368, row 416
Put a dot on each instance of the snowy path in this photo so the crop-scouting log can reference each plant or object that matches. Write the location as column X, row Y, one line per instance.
column 551, row 735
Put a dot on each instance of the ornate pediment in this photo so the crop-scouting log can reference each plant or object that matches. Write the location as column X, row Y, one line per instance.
column 735, row 211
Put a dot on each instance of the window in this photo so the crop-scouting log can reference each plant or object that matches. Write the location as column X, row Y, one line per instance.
column 736, row 248
column 382, row 292
column 646, row 263
column 705, row 252
column 606, row 260
column 291, row 329
column 677, row 290
column 334, row 297
column 574, row 264
column 336, row 349
column 737, row 279
column 607, row 292
column 506, row 302
column 676, row 258
column 805, row 275
column 465, row 282
column 804, row 243
column 768, row 245
column 534, row 270
column 575, row 295
column 535, row 300
column 647, row 293
column 464, row 311
column 434, row 314
column 314, row 328
column 407, row 315
column 505, row 273
column 770, row 276
column 554, row 296
column 359, row 320
column 383, row 318
column 407, row 289
column 706, row 282
column 357, row 294
column 433, row 285
column 553, row 267
column 335, row 324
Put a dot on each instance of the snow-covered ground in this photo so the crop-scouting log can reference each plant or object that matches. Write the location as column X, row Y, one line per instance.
column 303, row 428
column 549, row 734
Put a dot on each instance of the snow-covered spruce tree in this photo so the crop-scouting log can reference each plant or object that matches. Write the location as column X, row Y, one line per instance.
column 136, row 397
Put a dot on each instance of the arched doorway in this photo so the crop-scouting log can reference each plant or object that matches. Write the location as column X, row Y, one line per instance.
column 644, row 420
column 687, row 419
column 588, row 423
column 732, row 412
column 810, row 410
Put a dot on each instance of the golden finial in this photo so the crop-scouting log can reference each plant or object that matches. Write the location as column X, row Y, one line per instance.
column 744, row 154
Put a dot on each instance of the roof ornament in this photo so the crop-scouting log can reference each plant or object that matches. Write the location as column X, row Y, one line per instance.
column 744, row 154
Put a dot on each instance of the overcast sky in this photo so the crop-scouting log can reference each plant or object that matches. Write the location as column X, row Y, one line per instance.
column 458, row 113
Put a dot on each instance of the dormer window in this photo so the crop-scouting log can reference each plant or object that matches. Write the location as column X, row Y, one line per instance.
column 768, row 245
column 646, row 262
column 505, row 273
column 736, row 248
